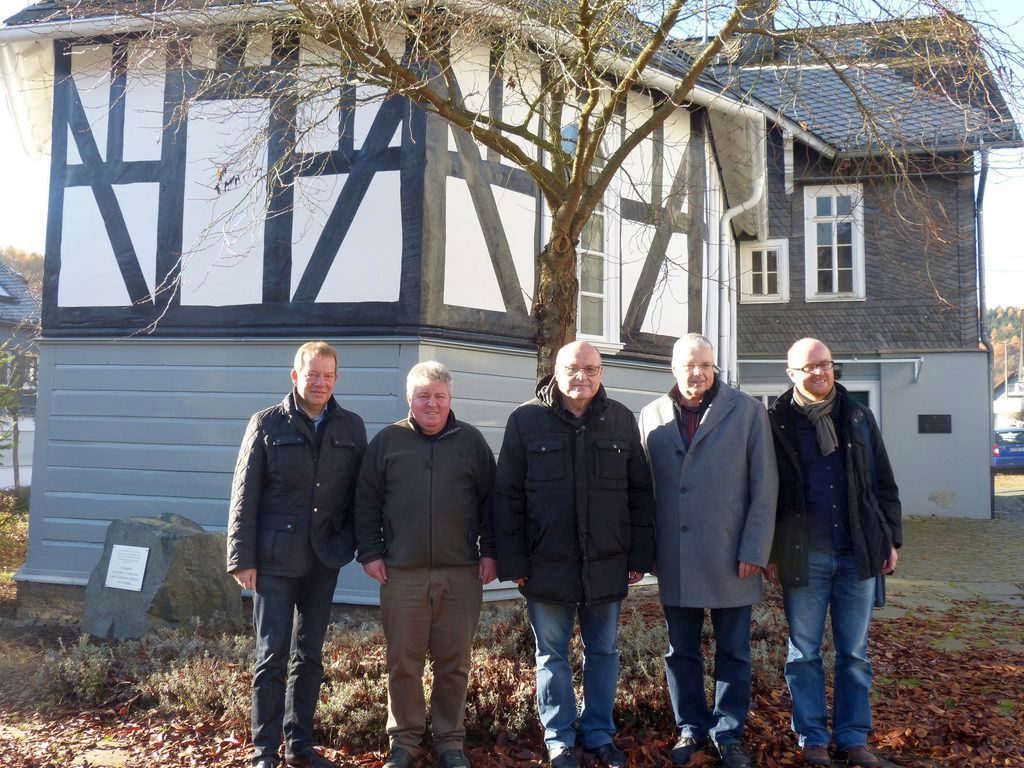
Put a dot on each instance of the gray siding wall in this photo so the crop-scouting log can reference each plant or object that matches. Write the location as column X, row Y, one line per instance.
column 141, row 427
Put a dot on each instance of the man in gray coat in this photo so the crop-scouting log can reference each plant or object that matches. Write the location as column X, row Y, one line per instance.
column 715, row 486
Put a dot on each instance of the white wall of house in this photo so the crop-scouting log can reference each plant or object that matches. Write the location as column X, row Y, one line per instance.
column 26, row 445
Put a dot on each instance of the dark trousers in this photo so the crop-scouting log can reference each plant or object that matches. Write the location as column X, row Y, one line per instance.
column 684, row 668
column 290, row 615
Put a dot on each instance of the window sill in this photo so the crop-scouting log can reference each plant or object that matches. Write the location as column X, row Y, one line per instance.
column 834, row 297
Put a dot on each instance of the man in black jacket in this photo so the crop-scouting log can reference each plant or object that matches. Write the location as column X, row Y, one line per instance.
column 838, row 528
column 574, row 526
column 289, row 533
column 423, row 529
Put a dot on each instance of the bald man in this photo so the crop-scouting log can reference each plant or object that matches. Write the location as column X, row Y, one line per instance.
column 573, row 512
column 838, row 527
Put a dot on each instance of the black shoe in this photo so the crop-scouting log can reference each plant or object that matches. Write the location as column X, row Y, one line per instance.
column 455, row 758
column 398, row 758
column 685, row 748
column 565, row 758
column 309, row 759
column 733, row 756
column 609, row 755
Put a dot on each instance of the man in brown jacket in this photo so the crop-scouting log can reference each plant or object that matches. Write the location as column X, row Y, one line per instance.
column 289, row 532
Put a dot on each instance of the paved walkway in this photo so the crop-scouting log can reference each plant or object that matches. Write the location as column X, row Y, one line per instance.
column 954, row 559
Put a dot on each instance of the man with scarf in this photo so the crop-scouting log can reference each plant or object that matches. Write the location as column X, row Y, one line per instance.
column 715, row 487
column 837, row 529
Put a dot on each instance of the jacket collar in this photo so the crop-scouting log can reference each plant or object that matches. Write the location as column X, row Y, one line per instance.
column 550, row 397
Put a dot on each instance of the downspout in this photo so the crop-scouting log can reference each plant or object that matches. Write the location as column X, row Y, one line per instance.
column 727, row 349
column 979, row 226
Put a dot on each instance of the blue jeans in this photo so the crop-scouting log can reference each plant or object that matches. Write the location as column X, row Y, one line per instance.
column 833, row 586
column 684, row 671
column 556, row 703
column 291, row 617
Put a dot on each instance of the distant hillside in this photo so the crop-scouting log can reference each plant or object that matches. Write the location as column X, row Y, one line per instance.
column 28, row 265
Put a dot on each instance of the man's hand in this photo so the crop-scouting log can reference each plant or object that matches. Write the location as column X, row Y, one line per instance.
column 635, row 576
column 377, row 570
column 772, row 573
column 747, row 570
column 488, row 569
column 520, row 582
column 890, row 562
column 246, row 577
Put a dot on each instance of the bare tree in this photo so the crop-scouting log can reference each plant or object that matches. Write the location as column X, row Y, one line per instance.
column 570, row 66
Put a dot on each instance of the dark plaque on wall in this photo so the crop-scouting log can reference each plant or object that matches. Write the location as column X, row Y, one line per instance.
column 934, row 423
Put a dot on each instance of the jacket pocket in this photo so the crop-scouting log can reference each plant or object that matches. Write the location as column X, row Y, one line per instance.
column 545, row 461
column 274, row 539
column 288, row 451
column 611, row 457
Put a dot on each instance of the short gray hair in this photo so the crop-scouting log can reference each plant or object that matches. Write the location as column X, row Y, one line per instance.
column 427, row 372
column 688, row 342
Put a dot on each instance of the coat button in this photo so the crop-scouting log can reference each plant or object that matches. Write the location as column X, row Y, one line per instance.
column 315, row 509
column 679, row 453
column 684, row 528
column 683, row 489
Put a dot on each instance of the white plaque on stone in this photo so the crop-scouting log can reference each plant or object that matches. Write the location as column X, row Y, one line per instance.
column 127, row 567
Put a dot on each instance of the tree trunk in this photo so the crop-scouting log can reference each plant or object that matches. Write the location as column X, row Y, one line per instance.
column 554, row 306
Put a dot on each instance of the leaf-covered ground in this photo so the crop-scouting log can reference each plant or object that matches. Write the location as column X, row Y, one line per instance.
column 949, row 691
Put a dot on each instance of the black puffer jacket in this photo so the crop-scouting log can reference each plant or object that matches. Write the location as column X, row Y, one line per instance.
column 292, row 494
column 573, row 504
column 873, row 497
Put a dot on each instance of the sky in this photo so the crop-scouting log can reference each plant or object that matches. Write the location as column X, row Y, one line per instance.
column 23, row 182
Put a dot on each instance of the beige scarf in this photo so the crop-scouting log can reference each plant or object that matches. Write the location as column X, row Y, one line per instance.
column 820, row 415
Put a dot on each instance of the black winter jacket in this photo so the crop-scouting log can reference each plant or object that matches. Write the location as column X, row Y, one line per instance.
column 292, row 493
column 425, row 502
column 873, row 497
column 573, row 504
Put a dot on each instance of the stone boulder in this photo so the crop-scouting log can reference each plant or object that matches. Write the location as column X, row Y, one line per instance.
column 184, row 579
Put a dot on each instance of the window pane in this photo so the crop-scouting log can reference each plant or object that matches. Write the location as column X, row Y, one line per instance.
column 844, row 233
column 758, row 284
column 773, row 261
column 773, row 284
column 755, row 262
column 844, row 205
column 823, row 206
column 824, row 234
column 591, row 316
column 845, row 256
column 592, row 273
column 846, row 280
column 824, row 258
column 592, row 238
column 824, row 281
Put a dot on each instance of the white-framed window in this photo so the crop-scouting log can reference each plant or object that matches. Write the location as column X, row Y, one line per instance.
column 834, row 242
column 764, row 271
column 598, row 315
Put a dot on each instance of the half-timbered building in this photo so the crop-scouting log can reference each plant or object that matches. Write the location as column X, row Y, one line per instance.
column 176, row 289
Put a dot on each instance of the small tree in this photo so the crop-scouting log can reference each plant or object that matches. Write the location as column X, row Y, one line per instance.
column 16, row 372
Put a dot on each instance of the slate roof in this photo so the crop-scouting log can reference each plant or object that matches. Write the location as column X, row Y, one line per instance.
column 923, row 82
column 17, row 305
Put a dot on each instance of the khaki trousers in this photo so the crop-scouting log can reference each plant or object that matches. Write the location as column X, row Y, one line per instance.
column 433, row 610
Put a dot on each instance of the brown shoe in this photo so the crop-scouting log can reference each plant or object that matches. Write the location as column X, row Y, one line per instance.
column 860, row 757
column 817, row 755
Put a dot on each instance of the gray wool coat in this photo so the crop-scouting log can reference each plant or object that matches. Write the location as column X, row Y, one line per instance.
column 714, row 503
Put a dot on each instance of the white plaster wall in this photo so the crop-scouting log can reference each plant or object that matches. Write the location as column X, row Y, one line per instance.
column 90, row 72
column 368, row 99
column 946, row 475
column 636, row 174
column 677, row 139
column 223, row 231
column 144, row 103
column 139, row 205
column 469, row 279
column 471, row 66
column 667, row 313
column 89, row 275
column 368, row 266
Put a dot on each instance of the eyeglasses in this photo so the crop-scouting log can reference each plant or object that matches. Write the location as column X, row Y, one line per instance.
column 590, row 370
column 824, row 366
column 702, row 367
column 312, row 376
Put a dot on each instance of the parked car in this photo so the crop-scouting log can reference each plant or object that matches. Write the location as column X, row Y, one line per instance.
column 1008, row 450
